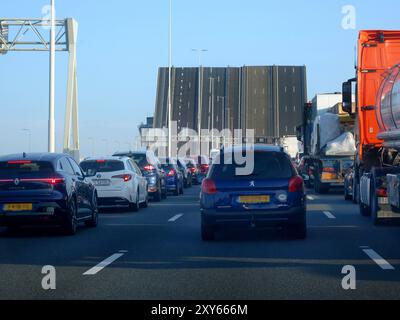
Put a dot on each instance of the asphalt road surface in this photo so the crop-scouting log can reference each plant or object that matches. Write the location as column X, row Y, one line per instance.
column 158, row 254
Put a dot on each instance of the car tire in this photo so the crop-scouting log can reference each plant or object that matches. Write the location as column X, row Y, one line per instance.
column 164, row 194
column 158, row 195
column 177, row 191
column 135, row 206
column 207, row 233
column 71, row 225
column 145, row 204
column 347, row 197
column 94, row 221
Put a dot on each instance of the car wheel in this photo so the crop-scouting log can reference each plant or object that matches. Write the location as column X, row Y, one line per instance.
column 207, row 233
column 158, row 196
column 297, row 231
column 347, row 197
column 145, row 204
column 135, row 206
column 71, row 224
column 94, row 221
column 164, row 193
column 177, row 190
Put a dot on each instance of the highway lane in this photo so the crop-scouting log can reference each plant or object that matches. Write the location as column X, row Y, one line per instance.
column 158, row 254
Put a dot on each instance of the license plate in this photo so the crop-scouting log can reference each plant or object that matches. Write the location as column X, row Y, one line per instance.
column 254, row 199
column 383, row 200
column 101, row 183
column 16, row 207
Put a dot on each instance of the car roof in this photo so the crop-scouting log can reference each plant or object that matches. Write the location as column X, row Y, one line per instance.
column 128, row 153
column 50, row 157
column 108, row 158
column 256, row 147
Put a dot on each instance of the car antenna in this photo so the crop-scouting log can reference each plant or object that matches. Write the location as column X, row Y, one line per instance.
column 24, row 155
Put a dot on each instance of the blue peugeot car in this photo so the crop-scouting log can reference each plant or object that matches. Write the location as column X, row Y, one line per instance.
column 45, row 189
column 261, row 192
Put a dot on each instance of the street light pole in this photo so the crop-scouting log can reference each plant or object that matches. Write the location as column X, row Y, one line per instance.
column 51, row 133
column 212, row 84
column 170, row 83
column 200, row 98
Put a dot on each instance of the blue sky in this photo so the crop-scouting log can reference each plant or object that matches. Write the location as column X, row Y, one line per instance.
column 122, row 43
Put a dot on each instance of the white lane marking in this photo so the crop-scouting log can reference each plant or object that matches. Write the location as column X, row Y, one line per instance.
column 174, row 218
column 378, row 259
column 103, row 264
column 310, row 198
column 329, row 215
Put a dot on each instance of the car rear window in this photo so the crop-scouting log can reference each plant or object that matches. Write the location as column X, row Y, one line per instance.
column 25, row 168
column 140, row 159
column 267, row 165
column 190, row 164
column 103, row 166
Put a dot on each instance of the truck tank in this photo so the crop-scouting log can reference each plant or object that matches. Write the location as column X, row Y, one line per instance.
column 388, row 109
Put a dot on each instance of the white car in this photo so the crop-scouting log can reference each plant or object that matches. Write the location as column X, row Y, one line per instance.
column 118, row 181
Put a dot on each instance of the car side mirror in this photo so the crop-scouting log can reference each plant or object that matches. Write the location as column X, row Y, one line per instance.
column 347, row 90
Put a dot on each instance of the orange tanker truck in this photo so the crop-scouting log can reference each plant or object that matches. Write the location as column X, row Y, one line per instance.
column 376, row 170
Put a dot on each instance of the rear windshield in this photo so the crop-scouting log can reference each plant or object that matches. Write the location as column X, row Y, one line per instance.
column 190, row 164
column 140, row 159
column 267, row 165
column 168, row 166
column 25, row 168
column 103, row 166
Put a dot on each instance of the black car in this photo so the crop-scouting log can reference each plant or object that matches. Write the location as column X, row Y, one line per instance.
column 151, row 168
column 45, row 189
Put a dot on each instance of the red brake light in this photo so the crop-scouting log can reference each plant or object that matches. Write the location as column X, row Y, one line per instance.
column 100, row 161
column 149, row 167
column 382, row 193
column 208, row 186
column 19, row 162
column 125, row 177
column 193, row 170
column 171, row 173
column 52, row 181
column 328, row 170
column 296, row 184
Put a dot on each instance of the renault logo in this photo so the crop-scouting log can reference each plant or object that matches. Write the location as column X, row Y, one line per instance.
column 16, row 181
column 98, row 176
column 252, row 184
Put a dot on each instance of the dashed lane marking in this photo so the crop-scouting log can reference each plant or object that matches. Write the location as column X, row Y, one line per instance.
column 174, row 218
column 381, row 262
column 105, row 263
column 329, row 215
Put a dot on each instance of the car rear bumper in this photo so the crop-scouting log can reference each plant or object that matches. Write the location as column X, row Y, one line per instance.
column 112, row 202
column 253, row 218
column 112, row 198
column 44, row 212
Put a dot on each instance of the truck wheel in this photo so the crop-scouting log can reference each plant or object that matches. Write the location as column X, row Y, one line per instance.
column 374, row 205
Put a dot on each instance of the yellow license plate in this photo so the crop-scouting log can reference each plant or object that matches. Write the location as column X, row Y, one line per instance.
column 15, row 207
column 254, row 199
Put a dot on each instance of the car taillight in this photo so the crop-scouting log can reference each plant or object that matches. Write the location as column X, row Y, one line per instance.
column 382, row 193
column 208, row 186
column 19, row 162
column 52, row 181
column 204, row 167
column 125, row 177
column 149, row 167
column 171, row 173
column 193, row 170
column 296, row 184
column 328, row 170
